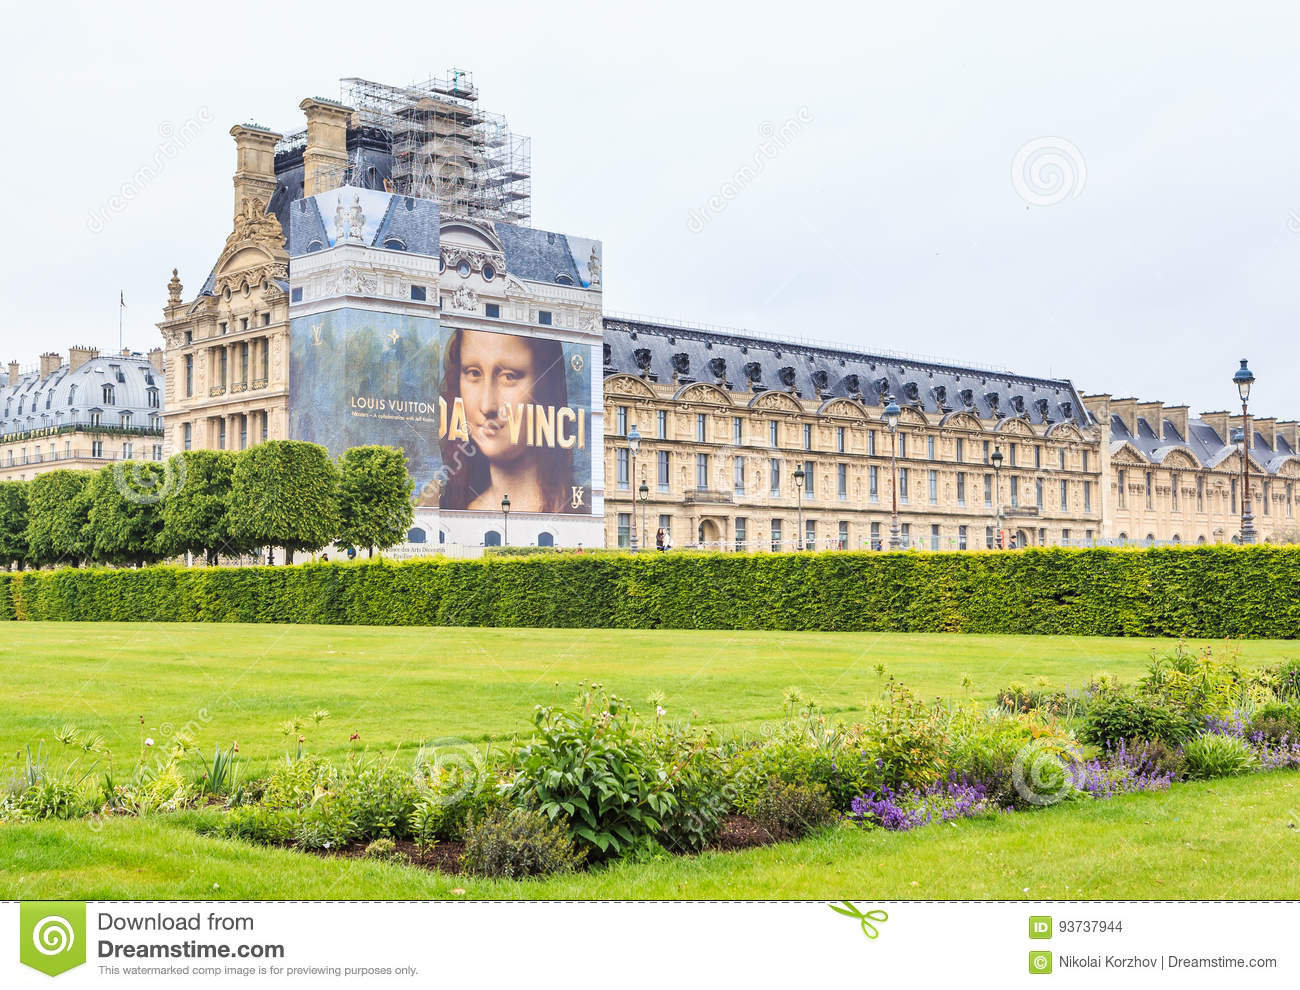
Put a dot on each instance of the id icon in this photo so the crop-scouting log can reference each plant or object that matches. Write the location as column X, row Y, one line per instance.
column 1040, row 926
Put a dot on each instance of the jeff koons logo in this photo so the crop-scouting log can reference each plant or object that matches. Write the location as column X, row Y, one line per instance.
column 52, row 935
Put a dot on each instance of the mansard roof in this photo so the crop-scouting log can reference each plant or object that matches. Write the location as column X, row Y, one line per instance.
column 746, row 363
column 65, row 397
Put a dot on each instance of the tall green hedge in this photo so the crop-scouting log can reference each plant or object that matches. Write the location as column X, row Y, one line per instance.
column 1196, row 591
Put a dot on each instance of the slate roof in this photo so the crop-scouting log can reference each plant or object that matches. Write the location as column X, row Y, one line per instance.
column 1202, row 442
column 748, row 364
column 538, row 255
column 67, row 398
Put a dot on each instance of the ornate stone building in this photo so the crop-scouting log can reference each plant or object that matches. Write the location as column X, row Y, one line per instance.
column 84, row 412
column 726, row 420
column 1175, row 479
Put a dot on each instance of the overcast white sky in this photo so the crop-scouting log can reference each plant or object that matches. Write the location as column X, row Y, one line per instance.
column 889, row 221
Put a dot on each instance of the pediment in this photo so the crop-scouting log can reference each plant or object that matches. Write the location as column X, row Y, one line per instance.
column 1065, row 431
column 703, row 392
column 961, row 420
column 776, row 401
column 1014, row 426
column 848, row 408
column 628, row 385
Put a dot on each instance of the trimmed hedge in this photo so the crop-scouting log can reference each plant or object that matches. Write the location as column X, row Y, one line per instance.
column 1206, row 592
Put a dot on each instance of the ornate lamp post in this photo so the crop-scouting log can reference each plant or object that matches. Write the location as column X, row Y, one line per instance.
column 891, row 422
column 633, row 445
column 1244, row 379
column 798, row 493
column 996, row 458
column 505, row 520
column 644, row 492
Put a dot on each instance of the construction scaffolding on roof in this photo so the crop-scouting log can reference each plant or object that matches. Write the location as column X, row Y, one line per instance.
column 445, row 147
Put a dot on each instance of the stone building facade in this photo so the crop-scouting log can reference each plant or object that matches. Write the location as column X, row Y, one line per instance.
column 81, row 413
column 726, row 420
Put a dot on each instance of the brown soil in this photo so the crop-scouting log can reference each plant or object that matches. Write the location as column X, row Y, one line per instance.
column 739, row 832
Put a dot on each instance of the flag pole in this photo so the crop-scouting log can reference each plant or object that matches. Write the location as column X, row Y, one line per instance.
column 122, row 300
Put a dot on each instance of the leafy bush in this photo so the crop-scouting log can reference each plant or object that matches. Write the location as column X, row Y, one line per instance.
column 790, row 811
column 453, row 787
column 984, row 749
column 1216, row 755
column 384, row 850
column 1286, row 681
column 1115, row 719
column 518, row 842
column 1019, row 699
column 379, row 798
column 1200, row 683
column 702, row 795
column 907, row 738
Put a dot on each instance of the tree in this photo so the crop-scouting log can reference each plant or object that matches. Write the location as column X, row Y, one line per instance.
column 285, row 494
column 125, row 522
column 197, row 516
column 58, row 510
column 374, row 498
column 13, row 523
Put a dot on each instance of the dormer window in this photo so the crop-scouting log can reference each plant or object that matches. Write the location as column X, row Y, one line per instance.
column 563, row 280
column 125, row 419
column 108, row 396
column 72, row 397
column 153, row 398
column 94, row 419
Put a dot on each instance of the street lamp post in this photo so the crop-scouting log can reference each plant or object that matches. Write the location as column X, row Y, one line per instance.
column 891, row 422
column 505, row 520
column 996, row 458
column 1244, row 379
column 798, row 494
column 633, row 445
column 644, row 492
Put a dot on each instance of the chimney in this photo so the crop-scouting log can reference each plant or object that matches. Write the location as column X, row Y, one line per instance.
column 254, row 166
column 1098, row 407
column 1267, row 428
column 1126, row 410
column 50, row 363
column 77, row 356
column 1154, row 414
column 1218, row 422
column 326, row 154
column 156, row 359
column 1236, row 423
column 1287, row 429
column 13, row 373
column 1177, row 415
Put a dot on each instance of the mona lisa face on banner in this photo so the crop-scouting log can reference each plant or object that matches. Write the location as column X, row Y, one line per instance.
column 479, row 414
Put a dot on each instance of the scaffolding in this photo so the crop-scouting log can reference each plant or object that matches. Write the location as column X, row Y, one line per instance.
column 443, row 146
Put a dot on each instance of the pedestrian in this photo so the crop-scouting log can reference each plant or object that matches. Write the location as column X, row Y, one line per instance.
column 324, row 558
column 659, row 540
column 668, row 541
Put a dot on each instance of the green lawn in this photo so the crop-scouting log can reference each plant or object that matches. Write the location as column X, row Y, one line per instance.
column 1222, row 839
column 407, row 686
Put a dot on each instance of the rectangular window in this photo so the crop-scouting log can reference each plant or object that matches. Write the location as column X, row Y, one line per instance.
column 961, row 537
column 902, row 445
column 961, row 450
column 187, row 435
column 988, row 537
column 1011, row 455
column 875, row 536
column 661, row 423
column 96, row 450
column 902, row 485
column 1064, row 500
column 986, row 451
column 739, row 471
column 841, row 481
column 1200, row 494
column 810, row 534
column 701, row 428
column 873, row 483
column 961, row 488
column 905, row 535
column 1085, row 460
column 1173, row 489
column 1038, row 492
column 1147, row 485
column 544, row 317
column 702, row 471
column 1038, row 457
column 243, row 363
column 661, row 469
column 625, row 529
column 809, row 486
column 1087, row 537
column 221, row 434
column 1015, row 491
column 871, row 442
column 1264, row 496
column 844, row 535
column 934, row 487
column 621, row 458
column 772, row 433
column 776, row 535
column 666, row 524
column 742, row 532
column 265, row 423
column 1065, row 537
column 1233, row 493
column 736, row 430
column 839, row 439
column 620, row 419
column 1061, row 452
column 189, row 375
column 929, row 448
column 774, row 476
column 934, row 536
column 243, row 323
column 492, row 311
column 1120, row 479
column 295, row 294
column 988, row 491
column 419, row 293
column 1042, row 537
column 1087, row 496
column 807, row 436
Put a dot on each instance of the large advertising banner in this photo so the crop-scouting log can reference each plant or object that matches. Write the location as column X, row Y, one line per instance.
column 480, row 414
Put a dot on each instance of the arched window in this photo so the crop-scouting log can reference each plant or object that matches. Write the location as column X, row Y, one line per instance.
column 393, row 244
column 545, row 540
column 1200, row 540
column 563, row 280
column 416, row 535
column 72, row 394
column 1151, row 538
column 442, row 536
column 108, row 395
column 492, row 538
column 1176, row 539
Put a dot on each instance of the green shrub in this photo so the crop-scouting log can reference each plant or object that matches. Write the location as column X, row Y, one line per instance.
column 1154, row 757
column 379, row 799
column 1211, row 756
column 1276, row 720
column 697, row 777
column 790, row 811
column 1286, row 680
column 984, row 749
column 907, row 738
column 384, row 850
column 518, row 842
column 1018, row 699
column 1122, row 717
column 453, row 787
column 1210, row 591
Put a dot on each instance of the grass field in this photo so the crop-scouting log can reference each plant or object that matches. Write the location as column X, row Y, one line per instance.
column 1229, row 838
column 407, row 686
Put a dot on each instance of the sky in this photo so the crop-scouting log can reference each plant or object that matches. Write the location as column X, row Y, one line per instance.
column 1107, row 193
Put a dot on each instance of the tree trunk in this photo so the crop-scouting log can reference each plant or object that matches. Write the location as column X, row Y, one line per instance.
column 288, row 556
